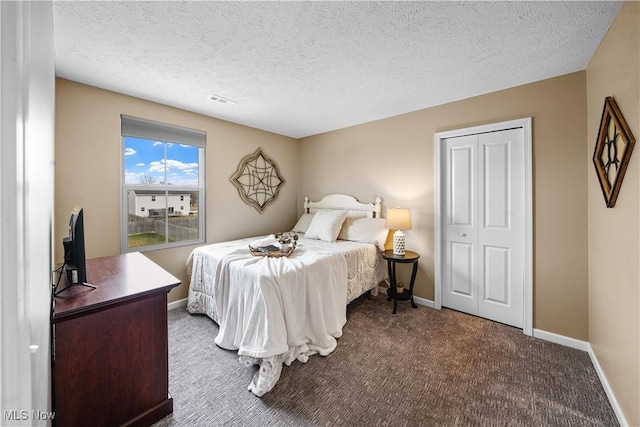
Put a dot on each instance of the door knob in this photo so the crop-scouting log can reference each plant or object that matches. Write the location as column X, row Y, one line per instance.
column 463, row 234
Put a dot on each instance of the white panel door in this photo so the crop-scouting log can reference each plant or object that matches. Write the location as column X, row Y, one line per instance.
column 461, row 216
column 501, row 226
column 484, row 225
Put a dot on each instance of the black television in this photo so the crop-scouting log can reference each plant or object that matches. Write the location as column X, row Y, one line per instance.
column 75, row 262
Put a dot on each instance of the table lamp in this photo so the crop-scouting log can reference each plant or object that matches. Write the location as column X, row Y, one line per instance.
column 398, row 219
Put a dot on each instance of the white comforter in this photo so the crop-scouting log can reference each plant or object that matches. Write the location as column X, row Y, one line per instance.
column 275, row 310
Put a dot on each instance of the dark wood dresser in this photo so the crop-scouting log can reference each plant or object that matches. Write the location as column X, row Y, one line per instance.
column 110, row 358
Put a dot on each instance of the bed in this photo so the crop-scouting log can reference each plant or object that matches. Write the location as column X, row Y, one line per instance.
column 275, row 310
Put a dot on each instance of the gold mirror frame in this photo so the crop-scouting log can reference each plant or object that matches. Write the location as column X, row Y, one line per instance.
column 258, row 180
column 613, row 150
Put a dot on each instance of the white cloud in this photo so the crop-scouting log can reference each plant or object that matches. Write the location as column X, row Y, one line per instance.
column 139, row 164
column 159, row 166
column 177, row 164
column 132, row 177
column 129, row 151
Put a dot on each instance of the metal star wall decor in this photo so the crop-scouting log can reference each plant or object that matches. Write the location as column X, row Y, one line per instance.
column 613, row 150
column 258, row 180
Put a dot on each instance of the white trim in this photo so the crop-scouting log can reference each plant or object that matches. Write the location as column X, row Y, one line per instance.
column 561, row 339
column 585, row 346
column 177, row 304
column 437, row 279
column 528, row 227
column 423, row 301
column 607, row 389
column 536, row 333
column 419, row 301
column 525, row 124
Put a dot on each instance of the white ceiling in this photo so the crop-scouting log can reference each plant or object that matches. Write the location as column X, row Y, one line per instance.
column 303, row 68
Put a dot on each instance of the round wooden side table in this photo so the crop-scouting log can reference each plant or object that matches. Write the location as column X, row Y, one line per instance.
column 409, row 257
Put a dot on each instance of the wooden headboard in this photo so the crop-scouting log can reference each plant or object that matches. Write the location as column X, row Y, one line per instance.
column 354, row 208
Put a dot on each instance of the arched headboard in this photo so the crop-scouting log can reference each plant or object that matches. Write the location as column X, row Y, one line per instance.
column 354, row 208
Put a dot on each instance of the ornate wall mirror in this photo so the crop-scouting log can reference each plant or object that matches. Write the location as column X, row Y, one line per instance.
column 613, row 150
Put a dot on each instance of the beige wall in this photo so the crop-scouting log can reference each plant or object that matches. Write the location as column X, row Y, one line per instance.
column 614, row 234
column 393, row 158
column 87, row 173
column 586, row 257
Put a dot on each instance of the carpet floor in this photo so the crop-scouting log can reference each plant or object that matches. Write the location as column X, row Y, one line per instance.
column 420, row 367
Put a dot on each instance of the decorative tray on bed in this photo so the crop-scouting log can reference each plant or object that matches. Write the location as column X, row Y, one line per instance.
column 270, row 251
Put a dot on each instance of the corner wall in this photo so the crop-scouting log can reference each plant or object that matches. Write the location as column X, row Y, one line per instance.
column 88, row 168
column 614, row 234
column 393, row 158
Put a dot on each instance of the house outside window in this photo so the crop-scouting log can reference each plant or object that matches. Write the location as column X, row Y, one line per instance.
column 163, row 167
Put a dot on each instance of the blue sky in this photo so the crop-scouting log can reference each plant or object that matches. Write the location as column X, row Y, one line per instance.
column 144, row 161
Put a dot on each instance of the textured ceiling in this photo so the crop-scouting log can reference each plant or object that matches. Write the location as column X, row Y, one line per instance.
column 303, row 68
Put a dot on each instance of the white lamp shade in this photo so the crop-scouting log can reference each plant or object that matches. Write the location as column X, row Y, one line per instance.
column 398, row 219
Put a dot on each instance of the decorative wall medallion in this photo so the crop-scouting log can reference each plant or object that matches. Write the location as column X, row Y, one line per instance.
column 258, row 180
column 613, row 150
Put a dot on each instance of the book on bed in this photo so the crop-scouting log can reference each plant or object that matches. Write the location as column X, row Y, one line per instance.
column 269, row 248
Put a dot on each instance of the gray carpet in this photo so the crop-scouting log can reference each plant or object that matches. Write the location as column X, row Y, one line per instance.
column 420, row 367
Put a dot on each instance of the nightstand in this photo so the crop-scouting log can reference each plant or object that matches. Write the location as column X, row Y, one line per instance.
column 409, row 257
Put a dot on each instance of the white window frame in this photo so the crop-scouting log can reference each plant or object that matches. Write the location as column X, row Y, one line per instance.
column 151, row 130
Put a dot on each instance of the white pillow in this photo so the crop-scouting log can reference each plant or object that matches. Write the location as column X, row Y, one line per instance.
column 303, row 223
column 325, row 225
column 367, row 230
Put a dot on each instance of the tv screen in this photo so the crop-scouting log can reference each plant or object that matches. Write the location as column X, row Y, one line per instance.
column 74, row 258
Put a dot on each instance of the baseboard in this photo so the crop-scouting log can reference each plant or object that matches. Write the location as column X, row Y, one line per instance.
column 177, row 304
column 537, row 333
column 425, row 302
column 561, row 339
column 419, row 301
column 607, row 389
column 585, row 346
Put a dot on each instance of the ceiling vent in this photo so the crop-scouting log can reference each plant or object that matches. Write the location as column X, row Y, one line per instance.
column 222, row 99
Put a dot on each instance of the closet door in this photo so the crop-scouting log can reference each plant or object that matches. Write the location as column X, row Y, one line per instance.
column 460, row 235
column 484, row 225
column 501, row 226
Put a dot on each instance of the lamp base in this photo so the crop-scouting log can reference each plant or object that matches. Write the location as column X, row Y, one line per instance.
column 398, row 243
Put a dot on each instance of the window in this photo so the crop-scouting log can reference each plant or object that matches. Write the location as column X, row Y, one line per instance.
column 163, row 165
